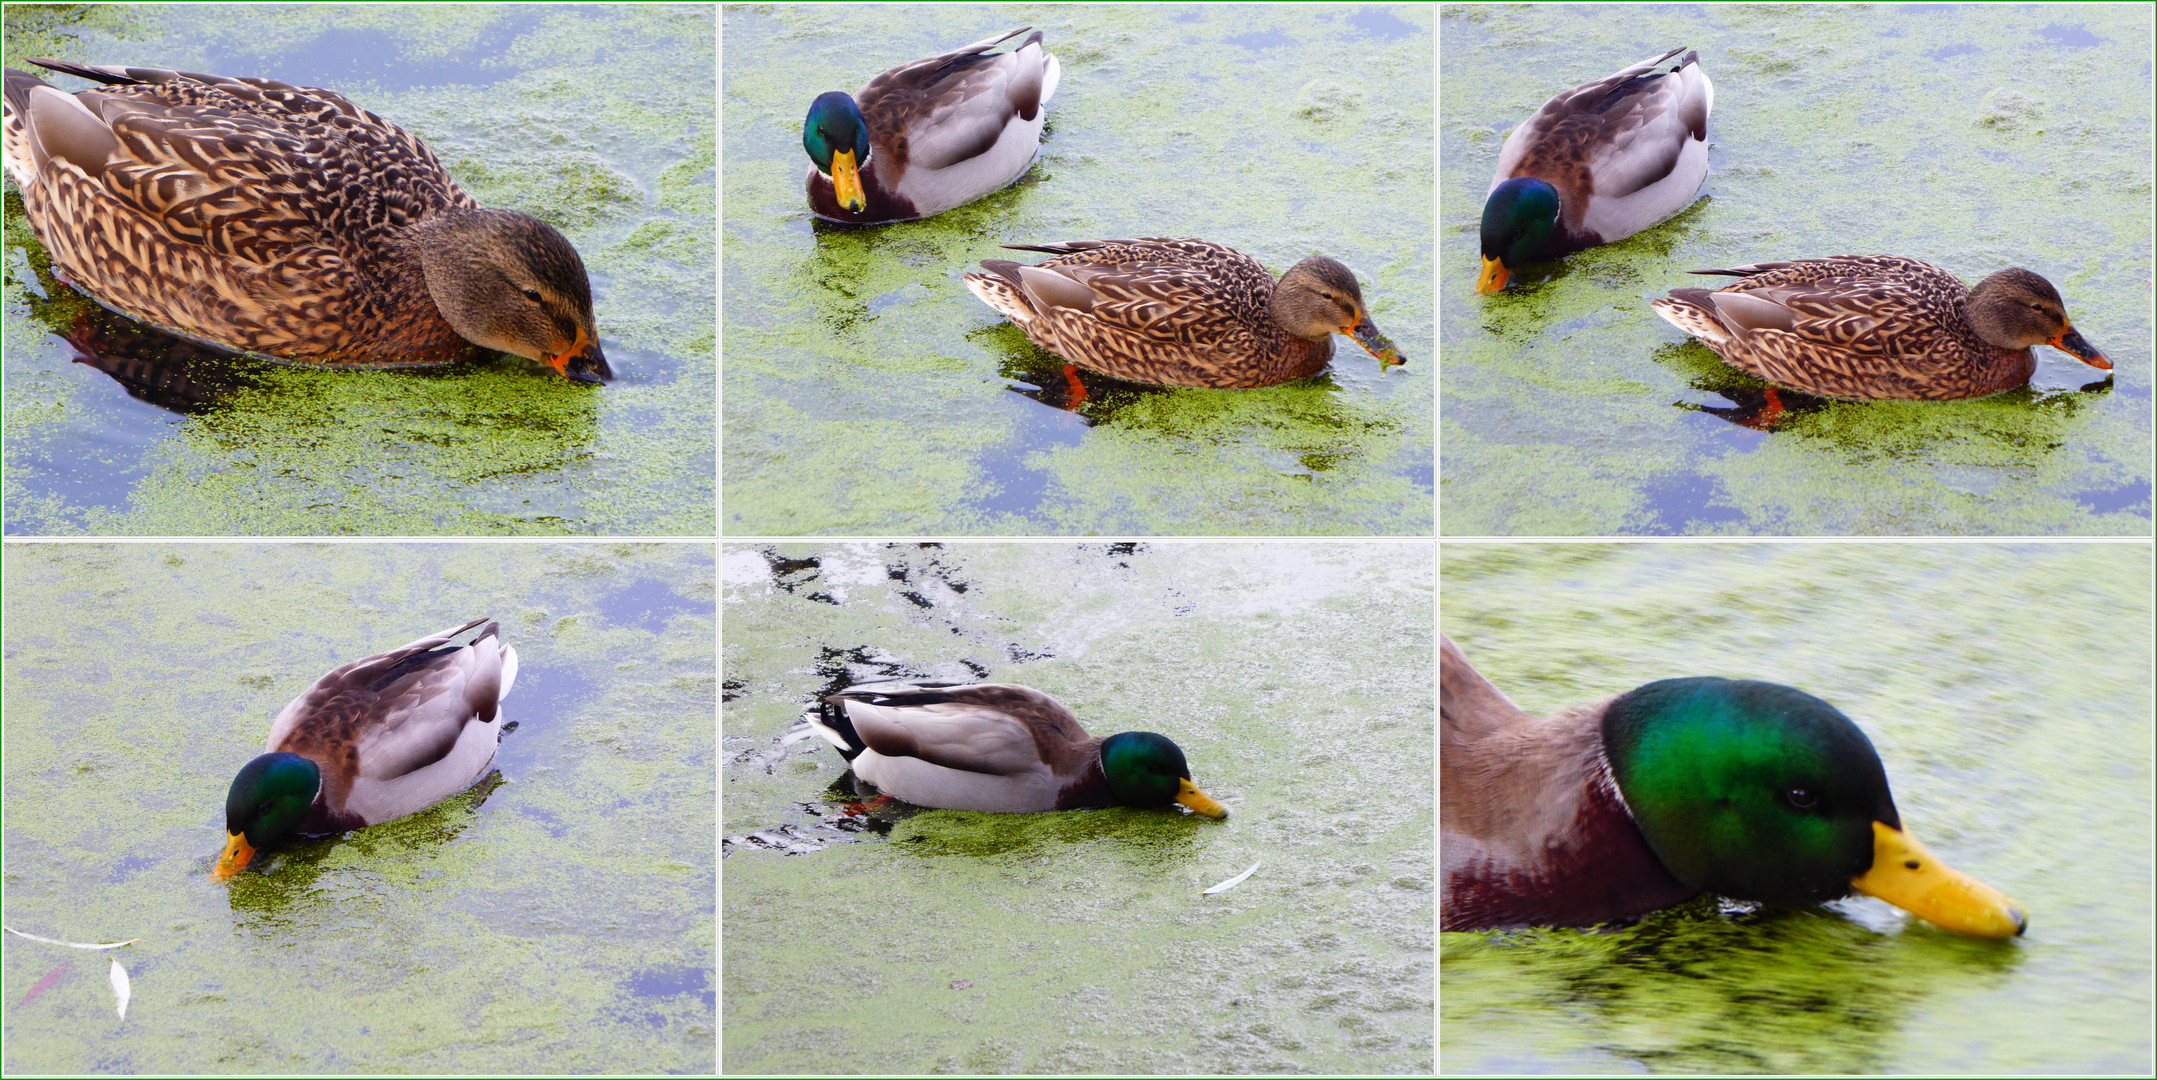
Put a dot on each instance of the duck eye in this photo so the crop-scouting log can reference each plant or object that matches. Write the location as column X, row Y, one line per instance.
column 1801, row 798
column 532, row 295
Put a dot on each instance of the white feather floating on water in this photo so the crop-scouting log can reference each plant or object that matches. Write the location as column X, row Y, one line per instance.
column 1232, row 882
column 71, row 944
column 119, row 986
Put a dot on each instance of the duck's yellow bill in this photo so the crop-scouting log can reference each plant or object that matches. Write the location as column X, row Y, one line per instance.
column 846, row 182
column 238, row 853
column 1495, row 275
column 1188, row 794
column 1908, row 876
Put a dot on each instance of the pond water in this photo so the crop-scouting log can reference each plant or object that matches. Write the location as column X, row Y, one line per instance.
column 1281, row 131
column 1297, row 680
column 596, row 119
column 1971, row 138
column 2008, row 690
column 557, row 920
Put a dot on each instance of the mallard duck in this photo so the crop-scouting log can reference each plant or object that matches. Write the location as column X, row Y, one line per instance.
column 285, row 223
column 372, row 741
column 1181, row 312
column 1597, row 164
column 935, row 134
column 1870, row 327
column 1608, row 811
column 1000, row 749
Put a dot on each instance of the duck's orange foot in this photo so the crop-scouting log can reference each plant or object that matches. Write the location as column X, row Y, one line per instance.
column 1076, row 390
column 1771, row 410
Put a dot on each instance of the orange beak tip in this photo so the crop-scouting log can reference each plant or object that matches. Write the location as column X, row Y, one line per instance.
column 582, row 362
column 1494, row 277
column 237, row 855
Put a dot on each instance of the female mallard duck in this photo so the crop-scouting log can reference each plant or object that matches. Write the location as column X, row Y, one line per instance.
column 1608, row 811
column 1181, row 312
column 1597, row 164
column 372, row 741
column 935, row 134
column 999, row 749
column 1870, row 327
column 285, row 223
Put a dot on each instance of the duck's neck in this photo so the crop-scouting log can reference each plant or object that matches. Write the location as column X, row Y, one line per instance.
column 1993, row 367
column 401, row 308
column 885, row 204
column 1594, row 868
column 1089, row 789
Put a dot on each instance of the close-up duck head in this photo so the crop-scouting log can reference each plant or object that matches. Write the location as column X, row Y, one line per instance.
column 837, row 139
column 1762, row 792
column 1519, row 220
column 1319, row 297
column 1145, row 769
column 507, row 281
column 2018, row 309
column 266, row 803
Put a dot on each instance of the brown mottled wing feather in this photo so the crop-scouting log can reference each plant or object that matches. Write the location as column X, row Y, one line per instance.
column 263, row 202
column 1172, row 312
column 1850, row 326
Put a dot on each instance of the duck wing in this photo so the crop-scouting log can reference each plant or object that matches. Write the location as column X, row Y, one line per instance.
column 240, row 166
column 1152, row 288
column 988, row 728
column 954, row 107
column 1859, row 309
column 1624, row 152
column 264, row 204
column 399, row 732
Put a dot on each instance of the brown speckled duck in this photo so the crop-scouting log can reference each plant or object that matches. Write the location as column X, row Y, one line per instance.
column 374, row 740
column 286, row 223
column 1874, row 327
column 1607, row 811
column 1181, row 312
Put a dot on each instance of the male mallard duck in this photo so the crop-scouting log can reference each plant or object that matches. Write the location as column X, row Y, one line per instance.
column 373, row 741
column 937, row 133
column 1608, row 811
column 1000, row 749
column 1868, row 327
column 1181, row 312
column 1597, row 164
column 286, row 223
